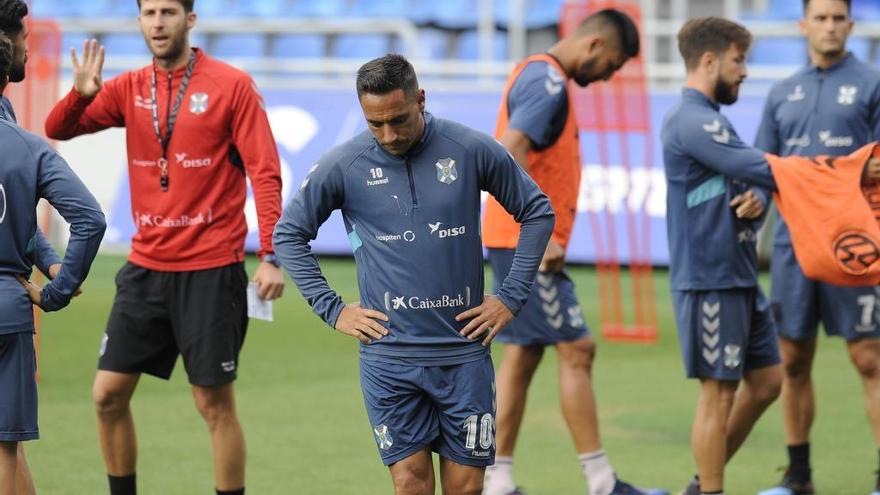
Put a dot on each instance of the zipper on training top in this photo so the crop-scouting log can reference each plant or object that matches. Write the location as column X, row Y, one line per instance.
column 412, row 184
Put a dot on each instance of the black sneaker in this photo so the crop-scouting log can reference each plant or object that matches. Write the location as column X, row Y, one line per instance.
column 877, row 486
column 791, row 486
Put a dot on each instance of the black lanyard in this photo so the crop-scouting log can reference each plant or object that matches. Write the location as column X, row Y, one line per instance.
column 171, row 117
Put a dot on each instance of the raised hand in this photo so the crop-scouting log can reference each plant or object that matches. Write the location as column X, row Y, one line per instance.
column 87, row 74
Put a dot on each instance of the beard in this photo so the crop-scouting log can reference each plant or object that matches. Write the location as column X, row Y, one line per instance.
column 17, row 72
column 726, row 93
column 174, row 49
column 586, row 74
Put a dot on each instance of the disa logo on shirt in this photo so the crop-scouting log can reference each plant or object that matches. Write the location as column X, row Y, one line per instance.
column 444, row 233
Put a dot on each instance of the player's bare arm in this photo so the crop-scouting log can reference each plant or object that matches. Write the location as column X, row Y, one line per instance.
column 87, row 74
column 361, row 323
column 872, row 170
column 518, row 145
column 748, row 205
column 487, row 318
column 554, row 258
column 269, row 280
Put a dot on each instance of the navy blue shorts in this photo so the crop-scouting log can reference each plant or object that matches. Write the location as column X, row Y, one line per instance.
column 799, row 304
column 448, row 408
column 552, row 313
column 18, row 382
column 723, row 333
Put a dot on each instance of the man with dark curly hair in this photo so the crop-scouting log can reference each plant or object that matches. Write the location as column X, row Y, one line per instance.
column 14, row 30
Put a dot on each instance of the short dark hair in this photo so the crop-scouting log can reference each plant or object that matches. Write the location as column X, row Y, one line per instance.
column 847, row 2
column 385, row 74
column 710, row 34
column 6, row 56
column 620, row 23
column 11, row 14
column 188, row 5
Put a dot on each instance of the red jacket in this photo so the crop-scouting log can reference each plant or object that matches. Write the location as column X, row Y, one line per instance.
column 199, row 223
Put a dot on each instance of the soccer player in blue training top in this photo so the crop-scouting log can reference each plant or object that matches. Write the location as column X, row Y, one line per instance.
column 12, row 14
column 29, row 170
column 830, row 107
column 537, row 124
column 409, row 191
column 726, row 331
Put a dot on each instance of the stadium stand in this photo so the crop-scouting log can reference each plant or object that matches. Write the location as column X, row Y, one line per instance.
column 239, row 45
column 360, row 46
column 780, row 51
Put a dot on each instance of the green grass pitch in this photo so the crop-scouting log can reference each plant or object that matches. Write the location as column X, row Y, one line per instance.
column 307, row 432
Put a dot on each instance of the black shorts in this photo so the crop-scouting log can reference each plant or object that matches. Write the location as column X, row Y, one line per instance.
column 200, row 315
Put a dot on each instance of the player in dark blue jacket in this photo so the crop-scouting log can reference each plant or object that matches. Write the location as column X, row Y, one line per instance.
column 12, row 13
column 715, row 203
column 409, row 189
column 830, row 107
column 29, row 170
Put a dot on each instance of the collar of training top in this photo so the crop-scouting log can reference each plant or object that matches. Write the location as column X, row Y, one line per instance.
column 698, row 96
column 180, row 70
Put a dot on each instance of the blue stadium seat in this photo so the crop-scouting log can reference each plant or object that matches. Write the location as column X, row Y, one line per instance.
column 127, row 44
column 469, row 46
column 380, row 8
column 262, row 8
column 213, row 8
column 67, row 8
column 120, row 8
column 456, row 14
column 75, row 40
column 319, row 8
column 866, row 10
column 433, row 43
column 543, row 13
column 361, row 46
column 421, row 12
column 860, row 47
column 239, row 45
column 299, row 46
column 781, row 10
column 779, row 51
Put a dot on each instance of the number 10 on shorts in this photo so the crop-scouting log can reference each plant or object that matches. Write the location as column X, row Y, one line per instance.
column 484, row 428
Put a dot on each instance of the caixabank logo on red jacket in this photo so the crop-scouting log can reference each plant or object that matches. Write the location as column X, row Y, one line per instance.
column 856, row 252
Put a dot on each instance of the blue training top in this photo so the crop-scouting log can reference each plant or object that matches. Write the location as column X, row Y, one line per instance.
column 707, row 165
column 414, row 226
column 29, row 170
column 821, row 112
column 40, row 251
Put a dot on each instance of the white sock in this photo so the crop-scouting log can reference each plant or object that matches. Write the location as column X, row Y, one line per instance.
column 597, row 469
column 499, row 477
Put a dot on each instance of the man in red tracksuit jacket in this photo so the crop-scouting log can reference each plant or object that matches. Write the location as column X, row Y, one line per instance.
column 195, row 127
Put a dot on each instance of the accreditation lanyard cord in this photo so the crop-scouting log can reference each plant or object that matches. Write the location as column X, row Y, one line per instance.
column 171, row 117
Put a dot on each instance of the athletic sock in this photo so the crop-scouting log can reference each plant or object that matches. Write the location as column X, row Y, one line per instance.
column 799, row 462
column 240, row 491
column 499, row 476
column 598, row 472
column 122, row 485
